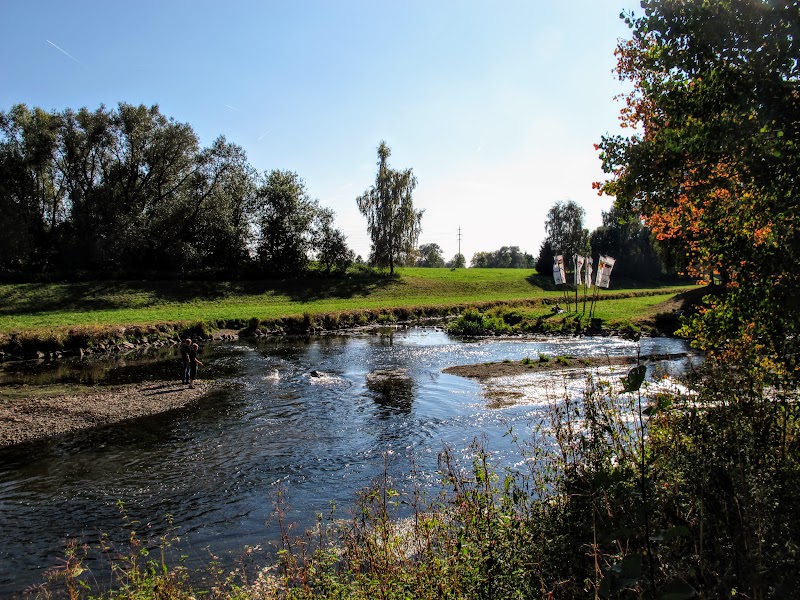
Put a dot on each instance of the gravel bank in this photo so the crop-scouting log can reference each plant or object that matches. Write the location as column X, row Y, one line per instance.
column 40, row 417
column 506, row 369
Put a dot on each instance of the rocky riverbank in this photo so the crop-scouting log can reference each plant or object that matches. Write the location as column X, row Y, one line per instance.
column 28, row 417
column 108, row 343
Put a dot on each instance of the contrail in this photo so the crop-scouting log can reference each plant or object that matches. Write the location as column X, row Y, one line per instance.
column 233, row 108
column 263, row 135
column 65, row 52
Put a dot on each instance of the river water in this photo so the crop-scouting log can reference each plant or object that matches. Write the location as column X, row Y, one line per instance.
column 295, row 417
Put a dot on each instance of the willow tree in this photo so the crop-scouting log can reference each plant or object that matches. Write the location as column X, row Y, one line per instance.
column 392, row 222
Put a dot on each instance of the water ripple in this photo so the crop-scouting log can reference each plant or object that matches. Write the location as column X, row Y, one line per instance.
column 306, row 417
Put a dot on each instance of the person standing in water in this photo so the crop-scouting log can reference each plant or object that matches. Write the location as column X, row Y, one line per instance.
column 193, row 362
column 186, row 346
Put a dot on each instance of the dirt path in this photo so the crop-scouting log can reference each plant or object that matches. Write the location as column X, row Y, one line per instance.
column 41, row 416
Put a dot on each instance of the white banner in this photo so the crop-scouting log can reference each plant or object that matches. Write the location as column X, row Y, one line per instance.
column 579, row 260
column 588, row 280
column 604, row 271
column 558, row 270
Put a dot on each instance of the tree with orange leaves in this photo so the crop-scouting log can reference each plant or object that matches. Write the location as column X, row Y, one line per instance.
column 712, row 163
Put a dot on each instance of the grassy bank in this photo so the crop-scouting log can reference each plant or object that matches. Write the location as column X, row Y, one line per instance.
column 42, row 307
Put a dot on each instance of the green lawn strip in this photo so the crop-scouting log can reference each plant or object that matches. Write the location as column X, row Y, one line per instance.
column 627, row 309
column 614, row 309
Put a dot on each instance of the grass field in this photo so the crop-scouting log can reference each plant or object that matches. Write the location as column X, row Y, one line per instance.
column 40, row 306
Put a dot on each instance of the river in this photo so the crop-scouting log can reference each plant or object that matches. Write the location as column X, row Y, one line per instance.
column 294, row 416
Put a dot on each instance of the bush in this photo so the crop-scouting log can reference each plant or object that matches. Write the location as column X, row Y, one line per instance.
column 475, row 323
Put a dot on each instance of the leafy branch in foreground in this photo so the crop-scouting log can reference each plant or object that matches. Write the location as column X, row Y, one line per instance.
column 712, row 163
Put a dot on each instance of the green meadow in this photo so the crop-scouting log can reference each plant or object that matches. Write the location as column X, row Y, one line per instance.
column 32, row 307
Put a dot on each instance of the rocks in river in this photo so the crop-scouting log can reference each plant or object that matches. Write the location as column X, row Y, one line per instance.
column 382, row 376
column 251, row 333
column 394, row 388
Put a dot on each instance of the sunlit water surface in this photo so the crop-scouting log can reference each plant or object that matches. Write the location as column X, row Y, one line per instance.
column 295, row 416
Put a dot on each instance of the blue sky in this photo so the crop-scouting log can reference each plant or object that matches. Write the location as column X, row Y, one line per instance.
column 496, row 106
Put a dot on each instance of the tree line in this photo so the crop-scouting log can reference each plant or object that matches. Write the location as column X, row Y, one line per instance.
column 624, row 237
column 129, row 191
column 638, row 253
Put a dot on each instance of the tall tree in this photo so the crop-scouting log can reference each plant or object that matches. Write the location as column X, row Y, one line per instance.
column 713, row 160
column 131, row 173
column 155, row 176
column 32, row 191
column 286, row 219
column 89, row 151
column 564, row 230
column 330, row 243
column 631, row 243
column 544, row 262
column 218, row 222
column 392, row 222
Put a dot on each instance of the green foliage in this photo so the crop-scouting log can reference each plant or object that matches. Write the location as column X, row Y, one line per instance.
column 630, row 243
column 286, row 219
column 430, row 255
column 712, row 161
column 201, row 329
column 126, row 189
column 458, row 262
column 507, row 257
column 129, row 191
column 633, row 381
column 544, row 262
column 386, row 318
column 475, row 323
column 331, row 244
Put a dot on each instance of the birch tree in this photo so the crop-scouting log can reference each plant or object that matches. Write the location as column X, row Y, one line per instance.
column 392, row 222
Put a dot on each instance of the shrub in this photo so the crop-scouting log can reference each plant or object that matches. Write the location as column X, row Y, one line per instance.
column 475, row 323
